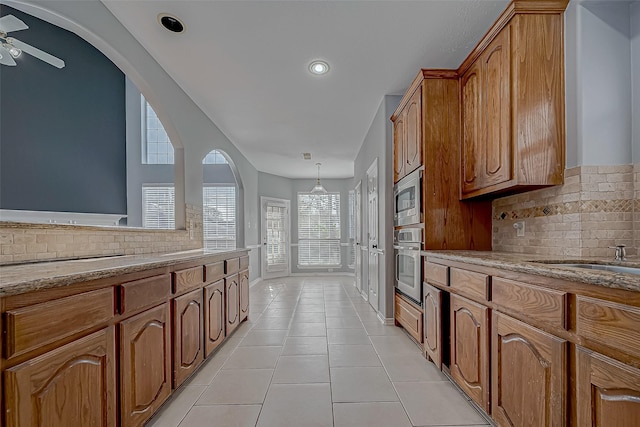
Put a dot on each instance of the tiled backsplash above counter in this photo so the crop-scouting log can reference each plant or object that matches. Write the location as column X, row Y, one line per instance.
column 41, row 242
column 597, row 207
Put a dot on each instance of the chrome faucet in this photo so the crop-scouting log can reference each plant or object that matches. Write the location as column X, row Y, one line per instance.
column 621, row 253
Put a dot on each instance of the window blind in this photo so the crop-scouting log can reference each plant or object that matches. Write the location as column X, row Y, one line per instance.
column 319, row 230
column 352, row 230
column 158, row 207
column 219, row 217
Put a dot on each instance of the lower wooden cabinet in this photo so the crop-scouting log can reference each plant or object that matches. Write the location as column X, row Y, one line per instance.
column 244, row 295
column 145, row 364
column 73, row 385
column 232, row 302
column 529, row 375
column 188, row 335
column 432, row 327
column 214, row 321
column 470, row 348
column 607, row 391
column 409, row 316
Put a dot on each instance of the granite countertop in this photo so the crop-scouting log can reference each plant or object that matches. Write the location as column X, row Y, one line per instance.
column 21, row 278
column 550, row 267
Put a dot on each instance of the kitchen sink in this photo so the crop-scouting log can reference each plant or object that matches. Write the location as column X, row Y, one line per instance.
column 604, row 267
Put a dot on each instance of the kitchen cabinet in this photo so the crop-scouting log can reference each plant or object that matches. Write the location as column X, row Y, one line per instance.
column 407, row 143
column 432, row 326
column 232, row 302
column 214, row 316
column 512, row 92
column 529, row 374
column 608, row 391
column 74, row 384
column 409, row 316
column 470, row 348
column 188, row 335
column 145, row 364
column 244, row 294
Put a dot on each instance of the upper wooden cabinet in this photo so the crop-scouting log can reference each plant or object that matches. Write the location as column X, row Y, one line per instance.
column 407, row 137
column 512, row 93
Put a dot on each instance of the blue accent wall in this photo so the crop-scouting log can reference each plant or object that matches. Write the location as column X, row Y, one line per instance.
column 62, row 131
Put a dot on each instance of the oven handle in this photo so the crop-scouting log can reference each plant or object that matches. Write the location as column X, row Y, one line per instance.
column 406, row 248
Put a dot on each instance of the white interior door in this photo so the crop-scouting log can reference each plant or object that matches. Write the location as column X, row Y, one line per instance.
column 358, row 240
column 275, row 237
column 372, row 216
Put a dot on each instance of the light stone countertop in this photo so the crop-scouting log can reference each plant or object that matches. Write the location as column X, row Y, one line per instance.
column 22, row 278
column 549, row 266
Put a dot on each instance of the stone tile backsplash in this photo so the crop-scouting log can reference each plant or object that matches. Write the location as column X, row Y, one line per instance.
column 33, row 242
column 597, row 207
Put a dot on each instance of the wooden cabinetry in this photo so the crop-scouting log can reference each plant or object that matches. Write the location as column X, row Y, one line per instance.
column 214, row 318
column 145, row 364
column 74, row 384
column 528, row 376
column 244, row 294
column 409, row 316
column 607, row 391
column 407, row 144
column 432, row 327
column 512, row 92
column 470, row 348
column 232, row 302
column 188, row 335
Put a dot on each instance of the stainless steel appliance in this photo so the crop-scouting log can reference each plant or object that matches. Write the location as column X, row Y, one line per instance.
column 407, row 199
column 407, row 243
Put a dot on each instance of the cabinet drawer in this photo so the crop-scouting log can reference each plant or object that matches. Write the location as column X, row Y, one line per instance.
column 231, row 266
column 545, row 305
column 436, row 274
column 244, row 262
column 189, row 278
column 471, row 284
column 609, row 323
column 214, row 272
column 409, row 317
column 31, row 327
column 144, row 293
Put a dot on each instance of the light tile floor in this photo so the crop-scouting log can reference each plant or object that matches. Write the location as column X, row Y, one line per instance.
column 313, row 353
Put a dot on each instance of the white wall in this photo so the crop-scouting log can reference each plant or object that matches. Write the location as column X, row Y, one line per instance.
column 599, row 83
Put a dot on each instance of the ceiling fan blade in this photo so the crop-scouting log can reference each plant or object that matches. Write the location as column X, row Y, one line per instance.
column 5, row 57
column 10, row 23
column 34, row 51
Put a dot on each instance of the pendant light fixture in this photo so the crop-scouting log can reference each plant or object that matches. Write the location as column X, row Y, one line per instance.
column 318, row 188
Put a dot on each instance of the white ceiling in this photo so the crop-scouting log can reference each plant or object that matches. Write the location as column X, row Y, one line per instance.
column 245, row 64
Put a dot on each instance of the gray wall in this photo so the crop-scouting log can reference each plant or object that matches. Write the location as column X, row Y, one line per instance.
column 600, row 82
column 62, row 131
column 378, row 144
column 635, row 79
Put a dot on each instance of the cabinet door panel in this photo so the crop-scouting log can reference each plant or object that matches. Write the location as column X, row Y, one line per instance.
column 232, row 303
column 73, row 385
column 470, row 348
column 471, row 129
column 431, row 304
column 398, row 147
column 244, row 294
column 413, row 140
column 145, row 364
column 496, row 106
column 608, row 392
column 187, row 335
column 529, row 376
column 214, row 324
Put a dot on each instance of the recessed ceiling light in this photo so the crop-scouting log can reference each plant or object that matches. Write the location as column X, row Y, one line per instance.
column 171, row 23
column 319, row 67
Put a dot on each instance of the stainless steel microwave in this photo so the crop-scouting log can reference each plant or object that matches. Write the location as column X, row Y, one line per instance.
column 407, row 196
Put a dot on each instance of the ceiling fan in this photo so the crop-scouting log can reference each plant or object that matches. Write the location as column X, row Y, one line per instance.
column 11, row 48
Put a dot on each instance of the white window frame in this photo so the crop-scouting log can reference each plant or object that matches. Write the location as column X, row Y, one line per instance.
column 143, row 135
column 334, row 239
column 205, row 224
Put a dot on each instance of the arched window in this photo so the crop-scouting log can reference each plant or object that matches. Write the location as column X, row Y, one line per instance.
column 156, row 146
column 218, row 203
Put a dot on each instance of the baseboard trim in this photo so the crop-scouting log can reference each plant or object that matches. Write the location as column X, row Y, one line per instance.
column 255, row 282
column 386, row 320
column 335, row 273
